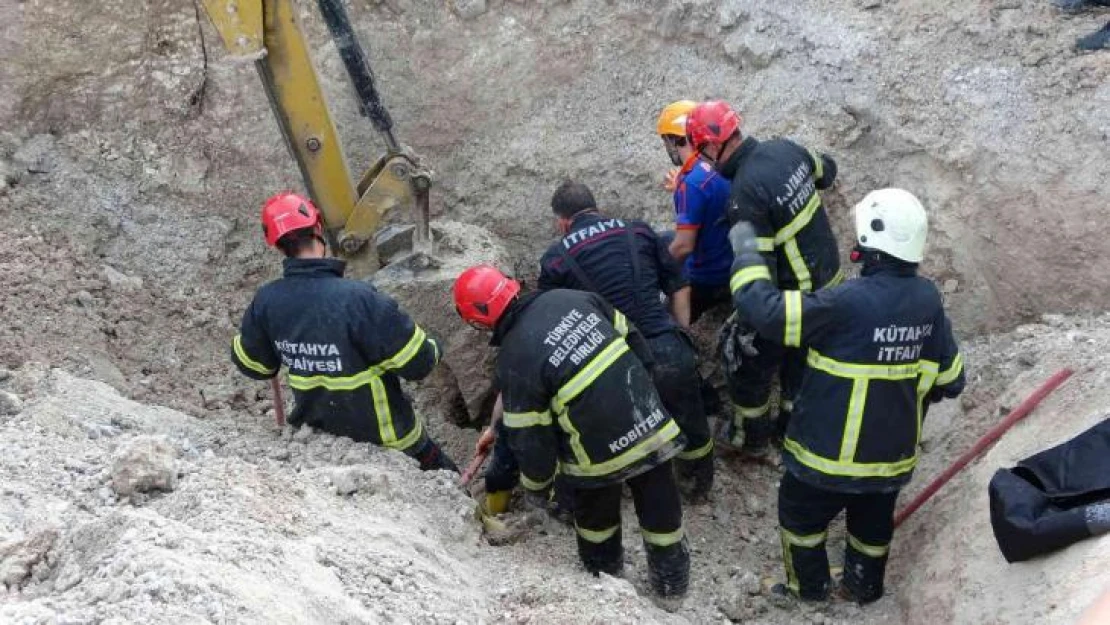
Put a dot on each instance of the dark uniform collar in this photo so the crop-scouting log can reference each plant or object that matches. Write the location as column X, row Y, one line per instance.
column 729, row 168
column 881, row 264
column 585, row 217
column 313, row 267
column 511, row 316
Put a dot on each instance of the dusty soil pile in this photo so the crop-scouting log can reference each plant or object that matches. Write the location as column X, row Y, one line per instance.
column 113, row 508
column 134, row 155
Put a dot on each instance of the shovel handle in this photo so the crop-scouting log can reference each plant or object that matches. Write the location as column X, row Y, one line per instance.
column 473, row 467
column 279, row 403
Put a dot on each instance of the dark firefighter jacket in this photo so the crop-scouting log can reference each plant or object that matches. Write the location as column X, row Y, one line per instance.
column 775, row 187
column 577, row 399
column 878, row 348
column 597, row 255
column 344, row 344
column 1055, row 498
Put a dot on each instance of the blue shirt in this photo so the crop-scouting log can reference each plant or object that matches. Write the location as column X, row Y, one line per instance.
column 701, row 203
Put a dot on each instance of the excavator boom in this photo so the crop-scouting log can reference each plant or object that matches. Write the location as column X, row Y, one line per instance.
column 267, row 32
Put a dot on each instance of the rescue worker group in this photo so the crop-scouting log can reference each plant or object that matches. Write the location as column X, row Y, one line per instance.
column 597, row 375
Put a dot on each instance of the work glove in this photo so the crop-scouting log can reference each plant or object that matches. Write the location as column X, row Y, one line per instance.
column 742, row 239
column 735, row 342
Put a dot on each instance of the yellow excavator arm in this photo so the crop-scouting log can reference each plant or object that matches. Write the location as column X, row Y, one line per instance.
column 267, row 32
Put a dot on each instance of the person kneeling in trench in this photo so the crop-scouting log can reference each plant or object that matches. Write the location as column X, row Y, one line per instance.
column 345, row 344
column 578, row 400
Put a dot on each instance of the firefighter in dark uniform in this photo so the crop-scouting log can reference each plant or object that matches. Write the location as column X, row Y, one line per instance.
column 627, row 264
column 774, row 187
column 578, row 401
column 879, row 350
column 345, row 344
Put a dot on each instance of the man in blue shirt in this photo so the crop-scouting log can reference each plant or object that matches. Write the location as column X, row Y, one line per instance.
column 701, row 197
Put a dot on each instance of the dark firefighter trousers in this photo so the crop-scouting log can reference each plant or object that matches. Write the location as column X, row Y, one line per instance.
column 805, row 512
column 503, row 472
column 597, row 521
column 680, row 388
column 750, row 389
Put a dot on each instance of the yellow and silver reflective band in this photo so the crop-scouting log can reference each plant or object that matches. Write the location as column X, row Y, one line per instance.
column 811, row 541
column 406, row 353
column 765, row 244
column 950, row 374
column 597, row 536
column 924, row 385
column 747, row 275
column 871, row 551
column 855, row 370
column 854, row 421
column 248, row 362
column 829, row 466
column 700, row 452
column 801, row 220
column 792, row 328
column 580, row 455
column 798, row 265
column 584, row 378
column 818, row 166
column 837, row 278
column 786, row 405
column 636, row 453
column 739, row 413
column 519, row 420
column 435, row 351
column 534, row 485
column 362, row 378
column 620, row 322
column 384, row 414
column 663, row 539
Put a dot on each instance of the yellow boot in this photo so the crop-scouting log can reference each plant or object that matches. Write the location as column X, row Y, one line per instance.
column 497, row 502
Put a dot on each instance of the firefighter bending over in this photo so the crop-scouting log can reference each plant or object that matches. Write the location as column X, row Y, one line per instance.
column 345, row 344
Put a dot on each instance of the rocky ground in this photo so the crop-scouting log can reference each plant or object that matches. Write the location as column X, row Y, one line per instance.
column 134, row 155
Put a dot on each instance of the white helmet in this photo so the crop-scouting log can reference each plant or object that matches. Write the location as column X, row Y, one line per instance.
column 892, row 221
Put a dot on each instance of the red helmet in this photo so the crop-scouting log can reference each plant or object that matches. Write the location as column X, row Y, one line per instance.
column 711, row 122
column 482, row 293
column 286, row 212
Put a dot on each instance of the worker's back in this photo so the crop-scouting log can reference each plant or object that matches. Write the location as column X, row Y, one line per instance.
column 775, row 187
column 876, row 346
column 565, row 365
column 344, row 345
column 596, row 255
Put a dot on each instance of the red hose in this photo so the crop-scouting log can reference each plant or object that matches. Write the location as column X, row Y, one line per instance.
column 279, row 403
column 994, row 434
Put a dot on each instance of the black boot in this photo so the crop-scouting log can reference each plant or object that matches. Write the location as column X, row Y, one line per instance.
column 1098, row 40
column 669, row 569
column 606, row 557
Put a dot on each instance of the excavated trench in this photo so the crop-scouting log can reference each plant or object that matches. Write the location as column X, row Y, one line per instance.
column 134, row 154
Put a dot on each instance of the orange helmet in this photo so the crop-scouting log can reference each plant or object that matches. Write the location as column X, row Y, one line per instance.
column 712, row 122
column 286, row 212
column 672, row 121
column 482, row 293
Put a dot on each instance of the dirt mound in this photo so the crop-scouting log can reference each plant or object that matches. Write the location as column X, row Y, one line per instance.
column 262, row 525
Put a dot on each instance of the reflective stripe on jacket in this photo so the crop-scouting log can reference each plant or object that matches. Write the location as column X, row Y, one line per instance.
column 577, row 399
column 775, row 187
column 344, row 344
column 879, row 348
